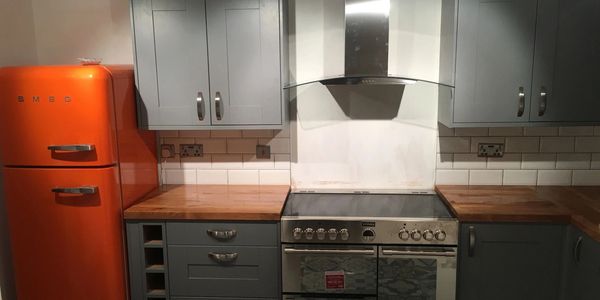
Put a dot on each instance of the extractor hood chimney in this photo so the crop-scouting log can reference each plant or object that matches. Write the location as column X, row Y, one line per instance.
column 367, row 45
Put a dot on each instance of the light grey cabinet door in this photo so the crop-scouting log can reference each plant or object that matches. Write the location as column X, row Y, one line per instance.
column 495, row 47
column 567, row 62
column 582, row 267
column 510, row 261
column 171, row 63
column 244, row 55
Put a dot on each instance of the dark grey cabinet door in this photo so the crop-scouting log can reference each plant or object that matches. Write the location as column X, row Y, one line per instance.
column 495, row 47
column 244, row 55
column 582, row 271
column 567, row 62
column 171, row 63
column 510, row 261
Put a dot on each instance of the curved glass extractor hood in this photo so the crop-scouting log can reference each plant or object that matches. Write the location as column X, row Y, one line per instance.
column 364, row 42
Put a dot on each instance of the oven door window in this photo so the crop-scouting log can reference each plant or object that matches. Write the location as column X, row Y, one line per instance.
column 330, row 270
column 417, row 273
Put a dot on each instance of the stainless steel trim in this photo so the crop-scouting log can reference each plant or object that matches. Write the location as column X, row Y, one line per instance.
column 521, row 102
column 577, row 249
column 444, row 253
column 219, row 106
column 472, row 241
column 367, row 37
column 365, row 219
column 82, row 190
column 368, row 191
column 543, row 101
column 330, row 251
column 200, row 106
column 222, row 257
column 223, row 235
column 72, row 148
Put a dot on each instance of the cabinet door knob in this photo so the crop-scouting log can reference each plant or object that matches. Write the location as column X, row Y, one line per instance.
column 200, row 106
column 577, row 249
column 543, row 101
column 219, row 106
column 472, row 241
column 521, row 102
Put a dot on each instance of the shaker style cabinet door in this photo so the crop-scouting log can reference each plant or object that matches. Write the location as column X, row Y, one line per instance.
column 172, row 63
column 495, row 47
column 582, row 267
column 509, row 261
column 244, row 55
column 567, row 62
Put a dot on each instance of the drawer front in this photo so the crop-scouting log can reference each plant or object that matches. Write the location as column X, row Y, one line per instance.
column 212, row 298
column 218, row 234
column 253, row 273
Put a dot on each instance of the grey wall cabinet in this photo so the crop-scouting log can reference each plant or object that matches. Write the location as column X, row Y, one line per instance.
column 523, row 63
column 582, row 267
column 208, row 63
column 204, row 260
column 510, row 261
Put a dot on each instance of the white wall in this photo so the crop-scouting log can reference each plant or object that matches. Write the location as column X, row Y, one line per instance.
column 69, row 29
column 17, row 47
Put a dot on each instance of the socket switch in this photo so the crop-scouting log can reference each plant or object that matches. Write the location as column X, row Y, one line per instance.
column 167, row 151
column 263, row 151
column 490, row 150
column 191, row 150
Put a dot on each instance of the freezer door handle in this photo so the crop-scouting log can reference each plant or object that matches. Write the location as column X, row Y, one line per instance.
column 73, row 148
column 82, row 190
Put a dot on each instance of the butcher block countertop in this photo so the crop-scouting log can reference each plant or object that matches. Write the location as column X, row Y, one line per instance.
column 211, row 202
column 579, row 206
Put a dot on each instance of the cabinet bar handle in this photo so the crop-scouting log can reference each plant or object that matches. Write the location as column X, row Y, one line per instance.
column 472, row 241
column 200, row 106
column 223, row 235
column 521, row 102
column 577, row 249
column 219, row 106
column 82, row 190
column 73, row 148
column 449, row 253
column 223, row 257
column 543, row 101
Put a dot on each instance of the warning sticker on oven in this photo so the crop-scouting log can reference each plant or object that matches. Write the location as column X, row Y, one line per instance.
column 334, row 280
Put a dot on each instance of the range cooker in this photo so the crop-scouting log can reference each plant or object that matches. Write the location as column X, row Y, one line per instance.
column 368, row 245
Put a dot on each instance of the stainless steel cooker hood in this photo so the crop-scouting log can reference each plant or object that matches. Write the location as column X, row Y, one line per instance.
column 367, row 45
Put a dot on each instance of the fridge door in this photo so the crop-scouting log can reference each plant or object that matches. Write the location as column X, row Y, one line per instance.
column 66, row 233
column 57, row 116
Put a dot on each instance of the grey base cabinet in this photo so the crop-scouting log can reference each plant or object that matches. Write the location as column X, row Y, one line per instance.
column 204, row 260
column 582, row 267
column 510, row 261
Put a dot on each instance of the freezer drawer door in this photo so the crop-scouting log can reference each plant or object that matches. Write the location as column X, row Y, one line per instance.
column 57, row 116
column 66, row 233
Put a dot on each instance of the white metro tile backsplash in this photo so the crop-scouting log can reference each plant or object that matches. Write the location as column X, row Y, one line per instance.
column 533, row 156
column 229, row 157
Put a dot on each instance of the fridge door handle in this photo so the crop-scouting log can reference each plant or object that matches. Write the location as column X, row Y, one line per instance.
column 73, row 148
column 82, row 190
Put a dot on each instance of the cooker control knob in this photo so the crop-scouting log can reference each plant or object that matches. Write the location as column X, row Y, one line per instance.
column 309, row 233
column 428, row 235
column 344, row 234
column 404, row 235
column 321, row 233
column 368, row 235
column 440, row 235
column 416, row 235
column 297, row 233
column 332, row 234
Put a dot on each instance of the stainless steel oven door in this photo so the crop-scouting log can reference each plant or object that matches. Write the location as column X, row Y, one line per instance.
column 329, row 269
column 425, row 273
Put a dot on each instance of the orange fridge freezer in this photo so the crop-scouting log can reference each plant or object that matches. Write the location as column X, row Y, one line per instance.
column 73, row 159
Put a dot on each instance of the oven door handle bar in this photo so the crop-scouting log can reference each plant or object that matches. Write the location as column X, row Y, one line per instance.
column 419, row 253
column 330, row 251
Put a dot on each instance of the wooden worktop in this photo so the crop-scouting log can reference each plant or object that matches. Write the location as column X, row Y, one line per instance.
column 579, row 206
column 212, row 202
